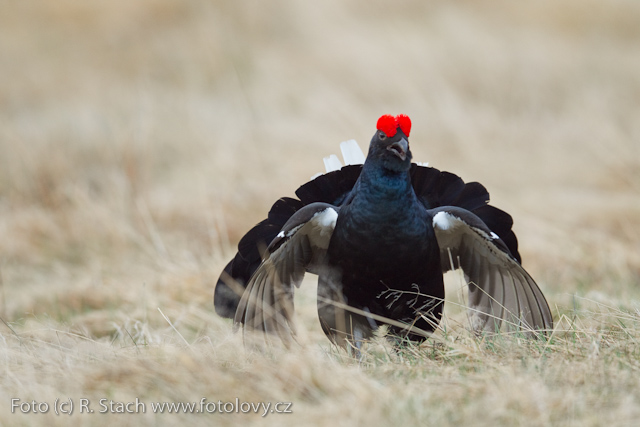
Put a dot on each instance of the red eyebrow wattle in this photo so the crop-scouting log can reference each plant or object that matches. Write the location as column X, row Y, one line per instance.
column 404, row 122
column 390, row 124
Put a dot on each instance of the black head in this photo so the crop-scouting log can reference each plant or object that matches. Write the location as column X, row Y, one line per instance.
column 390, row 144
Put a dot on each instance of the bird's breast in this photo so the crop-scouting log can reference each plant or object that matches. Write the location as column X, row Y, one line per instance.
column 384, row 245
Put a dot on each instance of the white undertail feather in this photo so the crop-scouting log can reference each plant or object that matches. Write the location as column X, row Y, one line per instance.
column 351, row 153
column 332, row 163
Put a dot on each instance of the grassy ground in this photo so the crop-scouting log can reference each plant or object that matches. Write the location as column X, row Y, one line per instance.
column 139, row 140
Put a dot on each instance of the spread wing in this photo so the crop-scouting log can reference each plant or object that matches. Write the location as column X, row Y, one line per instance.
column 267, row 303
column 501, row 293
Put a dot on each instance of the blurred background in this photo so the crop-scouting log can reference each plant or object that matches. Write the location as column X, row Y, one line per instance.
column 140, row 140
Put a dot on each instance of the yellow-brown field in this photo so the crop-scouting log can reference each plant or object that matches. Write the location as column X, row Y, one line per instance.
column 140, row 139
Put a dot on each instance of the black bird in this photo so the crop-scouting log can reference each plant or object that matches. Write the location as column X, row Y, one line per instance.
column 380, row 236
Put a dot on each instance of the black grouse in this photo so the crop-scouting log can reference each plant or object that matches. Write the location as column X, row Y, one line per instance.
column 380, row 236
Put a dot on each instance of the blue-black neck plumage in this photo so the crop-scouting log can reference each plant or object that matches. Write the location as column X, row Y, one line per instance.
column 383, row 209
column 383, row 191
column 377, row 184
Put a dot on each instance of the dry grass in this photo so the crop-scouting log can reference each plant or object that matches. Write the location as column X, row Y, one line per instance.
column 139, row 140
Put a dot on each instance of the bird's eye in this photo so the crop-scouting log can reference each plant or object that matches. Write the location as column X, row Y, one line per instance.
column 382, row 136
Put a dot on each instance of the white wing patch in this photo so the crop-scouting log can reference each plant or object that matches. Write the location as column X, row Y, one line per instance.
column 448, row 222
column 325, row 222
column 444, row 221
column 327, row 218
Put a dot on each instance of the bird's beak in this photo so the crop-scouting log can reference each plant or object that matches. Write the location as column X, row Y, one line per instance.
column 400, row 148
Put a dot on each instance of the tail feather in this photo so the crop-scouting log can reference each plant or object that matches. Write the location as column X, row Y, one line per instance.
column 238, row 271
column 435, row 188
column 332, row 187
column 473, row 196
